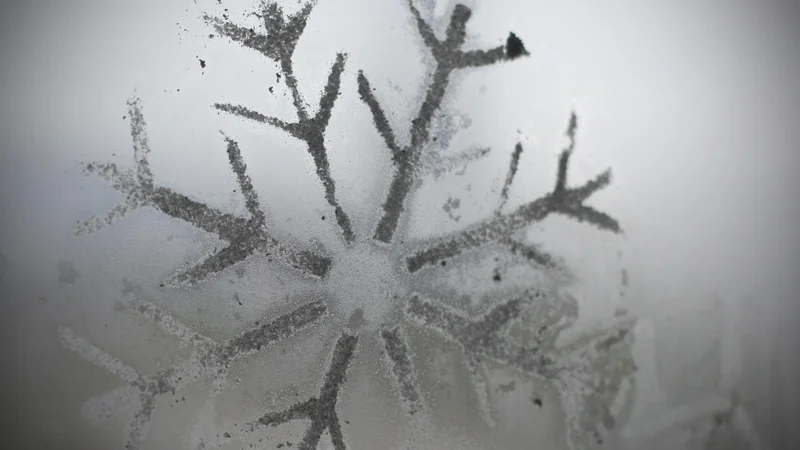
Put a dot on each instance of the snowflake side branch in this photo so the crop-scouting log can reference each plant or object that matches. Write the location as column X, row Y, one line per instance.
column 512, row 171
column 562, row 200
column 245, row 184
column 141, row 144
column 533, row 253
column 484, row 336
column 321, row 411
column 477, row 374
column 93, row 354
column 169, row 324
column 312, row 132
column 425, row 30
column 280, row 328
column 247, row 113
column 448, row 57
column 208, row 359
column 402, row 368
column 100, row 409
column 378, row 116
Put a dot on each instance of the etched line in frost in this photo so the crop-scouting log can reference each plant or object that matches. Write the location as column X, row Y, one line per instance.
column 477, row 373
column 485, row 336
column 561, row 200
column 280, row 328
column 245, row 240
column 512, row 170
column 397, row 352
column 448, row 56
column 279, row 44
column 378, row 116
column 93, row 354
column 169, row 324
column 208, row 360
column 438, row 165
column 589, row 379
column 244, row 181
column 321, row 411
column 532, row 252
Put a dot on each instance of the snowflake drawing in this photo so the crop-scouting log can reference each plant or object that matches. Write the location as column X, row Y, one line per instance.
column 373, row 287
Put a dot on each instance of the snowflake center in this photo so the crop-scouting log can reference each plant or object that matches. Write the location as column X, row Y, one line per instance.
column 364, row 285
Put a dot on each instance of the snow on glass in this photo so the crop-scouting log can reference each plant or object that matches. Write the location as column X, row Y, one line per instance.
column 370, row 286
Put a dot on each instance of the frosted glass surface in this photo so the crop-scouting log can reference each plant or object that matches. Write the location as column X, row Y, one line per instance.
column 399, row 225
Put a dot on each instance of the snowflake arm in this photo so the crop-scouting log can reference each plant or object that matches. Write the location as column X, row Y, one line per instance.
column 208, row 359
column 448, row 57
column 139, row 190
column 247, row 113
column 561, row 200
column 279, row 45
column 512, row 171
column 378, row 116
column 321, row 411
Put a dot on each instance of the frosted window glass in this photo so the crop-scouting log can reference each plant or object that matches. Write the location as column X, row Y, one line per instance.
column 399, row 224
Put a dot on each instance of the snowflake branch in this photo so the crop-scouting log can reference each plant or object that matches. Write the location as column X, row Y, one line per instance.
column 437, row 165
column 531, row 252
column 141, row 144
column 512, row 171
column 247, row 113
column 331, row 92
column 448, row 57
column 169, row 324
column 321, row 411
column 100, row 409
column 94, row 354
column 245, row 184
column 486, row 335
column 561, row 200
column 397, row 352
column 208, row 359
column 378, row 117
column 279, row 45
column 280, row 328
column 245, row 239
column 425, row 30
column 477, row 372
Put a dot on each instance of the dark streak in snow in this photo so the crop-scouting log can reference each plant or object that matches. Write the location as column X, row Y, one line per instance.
column 320, row 411
column 398, row 353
